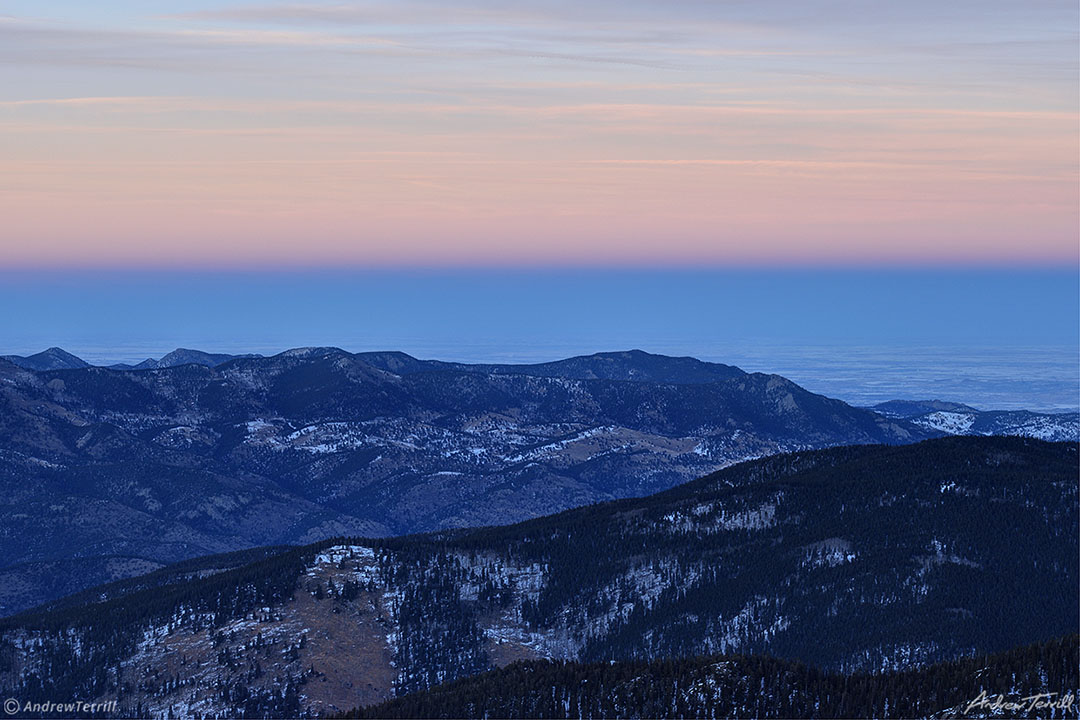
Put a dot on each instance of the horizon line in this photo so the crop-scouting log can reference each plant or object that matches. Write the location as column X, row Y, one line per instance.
column 703, row 265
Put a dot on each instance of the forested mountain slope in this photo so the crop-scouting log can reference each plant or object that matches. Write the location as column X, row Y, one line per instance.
column 757, row 687
column 853, row 559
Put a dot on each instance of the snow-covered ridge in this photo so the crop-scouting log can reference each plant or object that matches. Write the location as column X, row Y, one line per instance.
column 957, row 419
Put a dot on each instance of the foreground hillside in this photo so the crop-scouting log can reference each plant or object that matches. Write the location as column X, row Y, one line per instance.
column 110, row 473
column 757, row 687
column 854, row 559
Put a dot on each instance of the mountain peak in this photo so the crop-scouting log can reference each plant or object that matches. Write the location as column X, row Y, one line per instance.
column 54, row 358
column 641, row 365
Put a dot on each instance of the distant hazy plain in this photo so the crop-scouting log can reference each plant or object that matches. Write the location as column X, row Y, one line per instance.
column 995, row 339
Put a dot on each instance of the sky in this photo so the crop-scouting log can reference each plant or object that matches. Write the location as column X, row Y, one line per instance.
column 221, row 135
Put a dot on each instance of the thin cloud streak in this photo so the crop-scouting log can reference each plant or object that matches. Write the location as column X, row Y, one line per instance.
column 155, row 103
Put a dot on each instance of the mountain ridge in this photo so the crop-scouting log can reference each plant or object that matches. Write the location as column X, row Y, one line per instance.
column 959, row 419
column 631, row 365
column 615, row 365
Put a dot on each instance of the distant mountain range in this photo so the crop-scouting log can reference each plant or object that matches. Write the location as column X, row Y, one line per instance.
column 632, row 365
column 854, row 560
column 59, row 359
column 113, row 472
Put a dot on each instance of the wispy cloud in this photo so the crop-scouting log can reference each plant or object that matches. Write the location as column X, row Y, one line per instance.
column 385, row 127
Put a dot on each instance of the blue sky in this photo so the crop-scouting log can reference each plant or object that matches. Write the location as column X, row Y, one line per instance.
column 595, row 309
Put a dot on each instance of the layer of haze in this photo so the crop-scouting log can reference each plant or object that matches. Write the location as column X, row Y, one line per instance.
column 218, row 134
